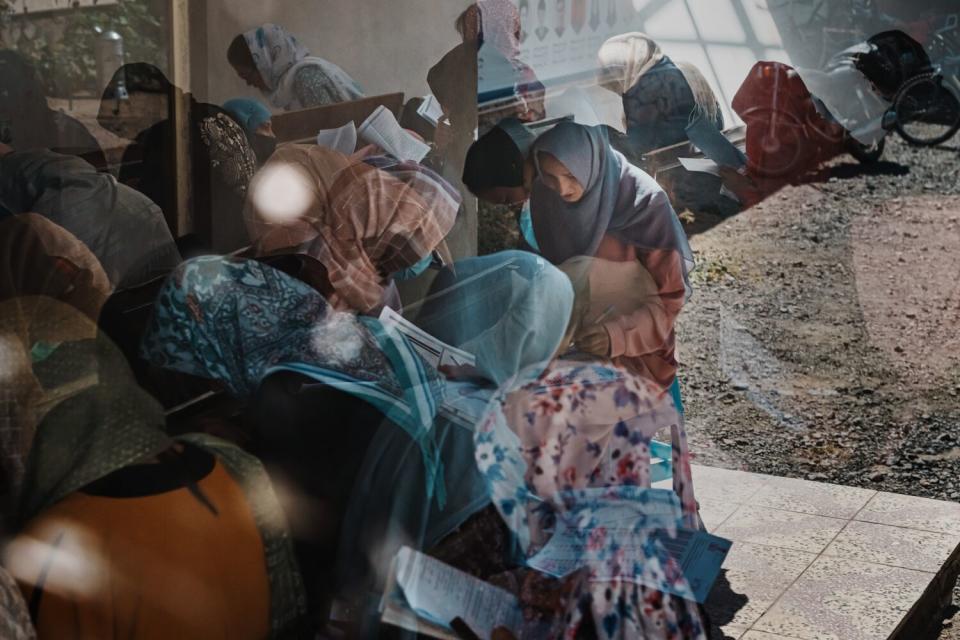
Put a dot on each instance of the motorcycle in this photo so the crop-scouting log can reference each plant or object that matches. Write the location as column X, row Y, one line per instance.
column 789, row 132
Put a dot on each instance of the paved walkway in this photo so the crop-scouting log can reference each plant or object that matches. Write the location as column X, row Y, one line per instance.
column 814, row 561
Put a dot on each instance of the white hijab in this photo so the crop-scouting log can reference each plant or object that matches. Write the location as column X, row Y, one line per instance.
column 625, row 58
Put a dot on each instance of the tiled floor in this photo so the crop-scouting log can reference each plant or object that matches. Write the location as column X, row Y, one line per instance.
column 814, row 561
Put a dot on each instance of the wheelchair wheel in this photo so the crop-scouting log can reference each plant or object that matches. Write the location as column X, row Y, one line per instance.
column 927, row 112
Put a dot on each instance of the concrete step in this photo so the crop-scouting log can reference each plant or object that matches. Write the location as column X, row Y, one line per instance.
column 814, row 561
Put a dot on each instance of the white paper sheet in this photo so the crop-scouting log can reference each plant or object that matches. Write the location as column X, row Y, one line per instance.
column 383, row 130
column 430, row 110
column 435, row 352
column 342, row 139
column 439, row 593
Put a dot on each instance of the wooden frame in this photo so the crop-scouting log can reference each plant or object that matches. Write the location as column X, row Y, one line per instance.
column 302, row 126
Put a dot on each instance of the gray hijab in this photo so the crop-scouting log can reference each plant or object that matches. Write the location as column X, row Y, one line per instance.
column 618, row 199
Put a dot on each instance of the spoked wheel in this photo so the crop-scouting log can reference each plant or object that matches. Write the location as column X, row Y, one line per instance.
column 927, row 112
column 775, row 143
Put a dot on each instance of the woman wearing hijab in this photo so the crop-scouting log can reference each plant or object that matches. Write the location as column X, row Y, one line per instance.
column 257, row 123
column 660, row 98
column 360, row 225
column 587, row 200
column 274, row 341
column 567, row 452
column 180, row 537
column 122, row 228
column 273, row 60
column 137, row 104
column 509, row 309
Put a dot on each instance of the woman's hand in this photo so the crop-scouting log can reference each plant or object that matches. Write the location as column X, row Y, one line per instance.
column 594, row 340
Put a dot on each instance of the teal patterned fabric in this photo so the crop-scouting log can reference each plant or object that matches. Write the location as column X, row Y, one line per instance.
column 237, row 321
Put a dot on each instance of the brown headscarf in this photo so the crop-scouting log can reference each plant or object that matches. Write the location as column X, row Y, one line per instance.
column 362, row 224
column 39, row 257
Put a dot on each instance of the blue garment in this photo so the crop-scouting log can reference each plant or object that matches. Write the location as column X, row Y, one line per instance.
column 509, row 309
column 237, row 321
column 249, row 113
column 412, row 272
column 526, row 227
column 675, row 393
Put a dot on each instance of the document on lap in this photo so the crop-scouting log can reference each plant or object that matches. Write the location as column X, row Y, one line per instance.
column 425, row 595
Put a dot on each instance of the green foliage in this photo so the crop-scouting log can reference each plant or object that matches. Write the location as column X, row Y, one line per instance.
column 68, row 64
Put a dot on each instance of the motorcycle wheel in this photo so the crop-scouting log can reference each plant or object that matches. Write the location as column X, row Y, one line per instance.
column 775, row 144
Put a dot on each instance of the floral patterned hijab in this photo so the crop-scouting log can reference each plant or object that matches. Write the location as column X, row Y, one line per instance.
column 568, row 447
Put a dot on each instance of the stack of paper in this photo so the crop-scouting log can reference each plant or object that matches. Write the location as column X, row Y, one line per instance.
column 383, row 130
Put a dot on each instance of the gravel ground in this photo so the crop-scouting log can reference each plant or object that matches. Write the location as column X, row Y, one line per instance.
column 822, row 340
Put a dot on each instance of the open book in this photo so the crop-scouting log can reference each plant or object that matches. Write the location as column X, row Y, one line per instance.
column 430, row 110
column 425, row 595
column 342, row 139
column 383, row 130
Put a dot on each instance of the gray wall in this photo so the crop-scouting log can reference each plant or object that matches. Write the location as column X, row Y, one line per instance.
column 386, row 45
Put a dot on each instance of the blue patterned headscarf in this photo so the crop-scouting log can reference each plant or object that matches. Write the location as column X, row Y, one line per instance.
column 238, row 321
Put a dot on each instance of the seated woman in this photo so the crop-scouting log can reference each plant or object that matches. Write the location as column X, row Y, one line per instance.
column 310, row 370
column 257, row 123
column 189, row 528
column 273, row 60
column 122, row 228
column 137, row 104
column 511, row 310
column 401, row 473
column 360, row 226
column 565, row 448
column 660, row 98
column 585, row 199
